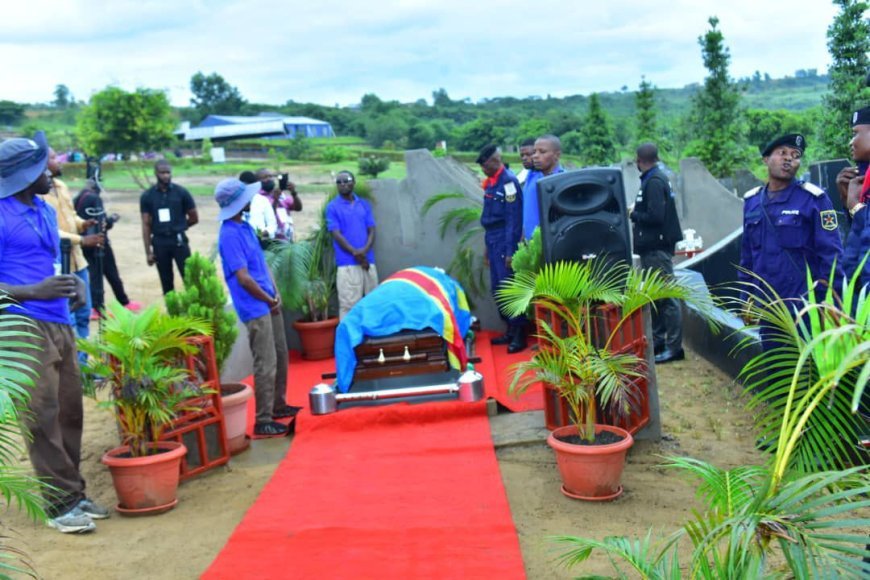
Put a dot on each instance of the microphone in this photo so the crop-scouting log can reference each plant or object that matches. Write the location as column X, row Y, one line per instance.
column 65, row 249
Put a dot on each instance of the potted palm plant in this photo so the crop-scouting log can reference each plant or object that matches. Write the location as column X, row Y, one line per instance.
column 582, row 365
column 205, row 297
column 138, row 361
column 306, row 286
column 803, row 514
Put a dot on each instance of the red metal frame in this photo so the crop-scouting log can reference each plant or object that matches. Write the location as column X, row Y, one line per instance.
column 201, row 428
column 629, row 338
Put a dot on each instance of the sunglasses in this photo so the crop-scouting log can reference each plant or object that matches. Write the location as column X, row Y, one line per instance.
column 343, row 181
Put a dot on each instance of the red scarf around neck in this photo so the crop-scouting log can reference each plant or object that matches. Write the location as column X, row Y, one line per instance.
column 490, row 181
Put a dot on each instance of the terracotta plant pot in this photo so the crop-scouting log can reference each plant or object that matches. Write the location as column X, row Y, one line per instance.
column 590, row 472
column 146, row 485
column 317, row 338
column 234, row 399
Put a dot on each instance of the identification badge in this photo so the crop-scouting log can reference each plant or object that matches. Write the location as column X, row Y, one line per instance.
column 510, row 191
column 829, row 219
column 163, row 215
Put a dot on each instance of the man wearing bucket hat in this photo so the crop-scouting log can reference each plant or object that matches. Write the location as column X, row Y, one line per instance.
column 30, row 254
column 257, row 302
column 854, row 186
column 788, row 225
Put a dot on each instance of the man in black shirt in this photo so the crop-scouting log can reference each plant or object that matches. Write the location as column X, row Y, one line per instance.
column 167, row 211
column 656, row 229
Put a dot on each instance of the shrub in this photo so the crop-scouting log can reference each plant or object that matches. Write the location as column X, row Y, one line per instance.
column 372, row 165
column 332, row 154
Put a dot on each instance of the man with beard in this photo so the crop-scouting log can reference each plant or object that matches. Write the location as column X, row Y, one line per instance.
column 167, row 211
column 788, row 225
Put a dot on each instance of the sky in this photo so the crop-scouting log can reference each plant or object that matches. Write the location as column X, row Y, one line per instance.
column 332, row 52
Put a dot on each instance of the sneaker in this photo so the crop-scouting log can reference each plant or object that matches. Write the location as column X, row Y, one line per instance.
column 270, row 429
column 93, row 509
column 95, row 314
column 75, row 521
column 133, row 306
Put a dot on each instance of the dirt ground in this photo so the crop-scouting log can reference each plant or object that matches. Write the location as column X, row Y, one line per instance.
column 700, row 414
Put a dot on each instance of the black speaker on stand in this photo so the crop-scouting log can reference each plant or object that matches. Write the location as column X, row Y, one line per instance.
column 583, row 216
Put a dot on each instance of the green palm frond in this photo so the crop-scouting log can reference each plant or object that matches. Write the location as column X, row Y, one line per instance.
column 645, row 559
column 290, row 264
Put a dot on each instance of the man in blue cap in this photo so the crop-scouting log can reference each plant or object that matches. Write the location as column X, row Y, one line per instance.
column 30, row 276
column 788, row 225
column 502, row 221
column 257, row 302
column 854, row 186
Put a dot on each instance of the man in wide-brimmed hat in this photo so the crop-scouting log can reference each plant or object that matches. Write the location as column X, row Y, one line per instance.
column 257, row 302
column 30, row 254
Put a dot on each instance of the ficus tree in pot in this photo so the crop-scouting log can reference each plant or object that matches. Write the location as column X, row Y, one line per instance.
column 804, row 513
column 204, row 297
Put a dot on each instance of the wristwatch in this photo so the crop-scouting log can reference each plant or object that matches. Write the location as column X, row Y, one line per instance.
column 856, row 208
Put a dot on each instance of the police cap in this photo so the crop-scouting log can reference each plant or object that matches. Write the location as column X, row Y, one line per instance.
column 793, row 140
column 486, row 153
column 861, row 117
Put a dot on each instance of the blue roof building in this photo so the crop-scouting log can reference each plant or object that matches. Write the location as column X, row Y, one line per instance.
column 264, row 125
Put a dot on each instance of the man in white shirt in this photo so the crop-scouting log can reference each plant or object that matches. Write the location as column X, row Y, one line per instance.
column 262, row 216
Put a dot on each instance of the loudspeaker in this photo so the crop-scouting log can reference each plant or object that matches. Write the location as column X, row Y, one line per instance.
column 583, row 215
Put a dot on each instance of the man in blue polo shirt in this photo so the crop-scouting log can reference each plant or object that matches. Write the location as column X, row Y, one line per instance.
column 349, row 218
column 548, row 150
column 30, row 254
column 257, row 302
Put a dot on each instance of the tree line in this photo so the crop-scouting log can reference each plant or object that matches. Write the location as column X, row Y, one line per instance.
column 710, row 120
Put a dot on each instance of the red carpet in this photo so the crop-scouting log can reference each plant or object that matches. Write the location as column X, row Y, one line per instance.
column 400, row 491
column 397, row 491
column 495, row 367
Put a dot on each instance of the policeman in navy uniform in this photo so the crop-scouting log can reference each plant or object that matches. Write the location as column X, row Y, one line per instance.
column 788, row 225
column 502, row 220
column 854, row 186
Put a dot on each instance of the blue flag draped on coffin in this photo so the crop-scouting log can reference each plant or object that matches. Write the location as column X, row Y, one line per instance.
column 411, row 299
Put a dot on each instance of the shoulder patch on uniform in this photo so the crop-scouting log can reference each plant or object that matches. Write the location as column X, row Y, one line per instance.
column 829, row 219
column 813, row 188
column 751, row 192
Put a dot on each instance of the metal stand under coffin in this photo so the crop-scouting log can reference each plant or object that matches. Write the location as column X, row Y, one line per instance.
column 446, row 386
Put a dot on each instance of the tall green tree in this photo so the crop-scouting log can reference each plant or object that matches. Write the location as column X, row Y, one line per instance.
column 716, row 116
column 645, row 104
column 848, row 43
column 212, row 95
column 62, row 97
column 115, row 121
column 597, row 135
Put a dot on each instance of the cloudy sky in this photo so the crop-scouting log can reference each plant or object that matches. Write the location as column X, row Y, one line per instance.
column 334, row 51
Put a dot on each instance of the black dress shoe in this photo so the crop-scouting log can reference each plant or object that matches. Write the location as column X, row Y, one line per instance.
column 669, row 355
column 503, row 339
column 518, row 342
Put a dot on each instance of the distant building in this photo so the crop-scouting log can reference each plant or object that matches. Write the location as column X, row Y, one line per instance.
column 268, row 125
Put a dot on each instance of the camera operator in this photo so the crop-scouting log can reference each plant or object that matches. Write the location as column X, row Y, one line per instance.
column 89, row 206
column 282, row 203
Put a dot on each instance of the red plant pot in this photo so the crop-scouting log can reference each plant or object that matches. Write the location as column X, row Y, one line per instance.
column 146, row 485
column 317, row 338
column 590, row 472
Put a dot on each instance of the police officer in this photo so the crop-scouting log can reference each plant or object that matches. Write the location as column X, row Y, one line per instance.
column 788, row 225
column 854, row 186
column 656, row 228
column 502, row 220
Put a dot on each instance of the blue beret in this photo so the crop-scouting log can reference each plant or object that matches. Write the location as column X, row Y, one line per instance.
column 486, row 153
column 861, row 117
column 793, row 140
